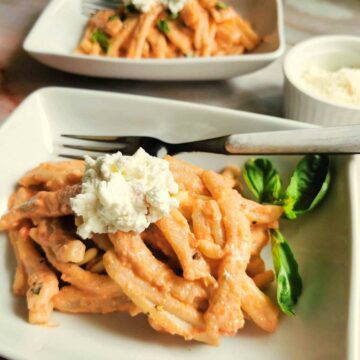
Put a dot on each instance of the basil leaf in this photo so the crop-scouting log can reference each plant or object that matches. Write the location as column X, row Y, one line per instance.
column 100, row 37
column 263, row 180
column 221, row 5
column 163, row 26
column 113, row 17
column 288, row 280
column 308, row 185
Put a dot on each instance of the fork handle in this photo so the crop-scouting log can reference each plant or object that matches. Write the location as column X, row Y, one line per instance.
column 332, row 140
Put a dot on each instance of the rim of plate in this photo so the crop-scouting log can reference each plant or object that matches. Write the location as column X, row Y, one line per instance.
column 151, row 99
column 354, row 297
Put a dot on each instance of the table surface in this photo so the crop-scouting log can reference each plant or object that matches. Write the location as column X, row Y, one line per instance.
column 260, row 92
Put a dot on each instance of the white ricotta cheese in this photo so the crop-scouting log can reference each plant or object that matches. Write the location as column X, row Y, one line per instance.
column 144, row 5
column 341, row 86
column 124, row 193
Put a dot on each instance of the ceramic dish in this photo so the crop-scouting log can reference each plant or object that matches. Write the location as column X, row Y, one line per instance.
column 58, row 30
column 329, row 53
column 325, row 241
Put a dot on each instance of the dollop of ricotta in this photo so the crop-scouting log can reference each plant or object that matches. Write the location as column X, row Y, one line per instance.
column 145, row 5
column 124, row 193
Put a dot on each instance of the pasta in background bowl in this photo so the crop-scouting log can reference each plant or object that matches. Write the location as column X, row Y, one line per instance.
column 55, row 47
column 201, row 28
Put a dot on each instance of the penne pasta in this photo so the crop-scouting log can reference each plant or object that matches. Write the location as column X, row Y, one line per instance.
column 179, row 38
column 20, row 282
column 157, row 43
column 73, row 300
column 255, row 266
column 177, row 232
column 260, row 237
column 102, row 241
column 210, row 45
column 197, row 272
column 199, row 30
column 187, row 176
column 155, row 239
column 113, row 26
column 233, row 265
column 190, row 14
column 258, row 306
column 264, row 279
column 42, row 282
column 73, row 273
column 145, row 23
column 54, row 176
column 43, row 204
column 130, row 248
column 252, row 39
column 164, row 312
column 119, row 40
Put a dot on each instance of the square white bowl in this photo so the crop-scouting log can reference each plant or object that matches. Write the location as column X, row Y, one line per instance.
column 59, row 28
column 325, row 242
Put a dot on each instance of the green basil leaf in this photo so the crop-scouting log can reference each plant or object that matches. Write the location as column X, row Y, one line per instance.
column 163, row 26
column 100, row 37
column 308, row 185
column 263, row 180
column 288, row 280
column 113, row 17
column 221, row 5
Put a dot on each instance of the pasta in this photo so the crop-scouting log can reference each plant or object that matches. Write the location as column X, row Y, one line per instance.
column 196, row 273
column 201, row 28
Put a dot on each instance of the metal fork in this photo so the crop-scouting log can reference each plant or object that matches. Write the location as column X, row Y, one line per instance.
column 330, row 140
column 90, row 7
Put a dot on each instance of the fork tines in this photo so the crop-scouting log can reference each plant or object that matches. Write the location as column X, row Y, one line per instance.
column 102, row 138
column 89, row 7
column 93, row 145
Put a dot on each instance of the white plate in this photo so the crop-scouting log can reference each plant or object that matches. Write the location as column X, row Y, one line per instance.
column 324, row 241
column 58, row 30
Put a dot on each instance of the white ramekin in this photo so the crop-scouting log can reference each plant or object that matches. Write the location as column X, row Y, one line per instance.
column 330, row 53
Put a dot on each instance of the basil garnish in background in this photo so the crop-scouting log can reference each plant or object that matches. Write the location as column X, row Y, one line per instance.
column 163, row 26
column 113, row 17
column 263, row 180
column 221, row 5
column 100, row 37
column 289, row 283
column 308, row 185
